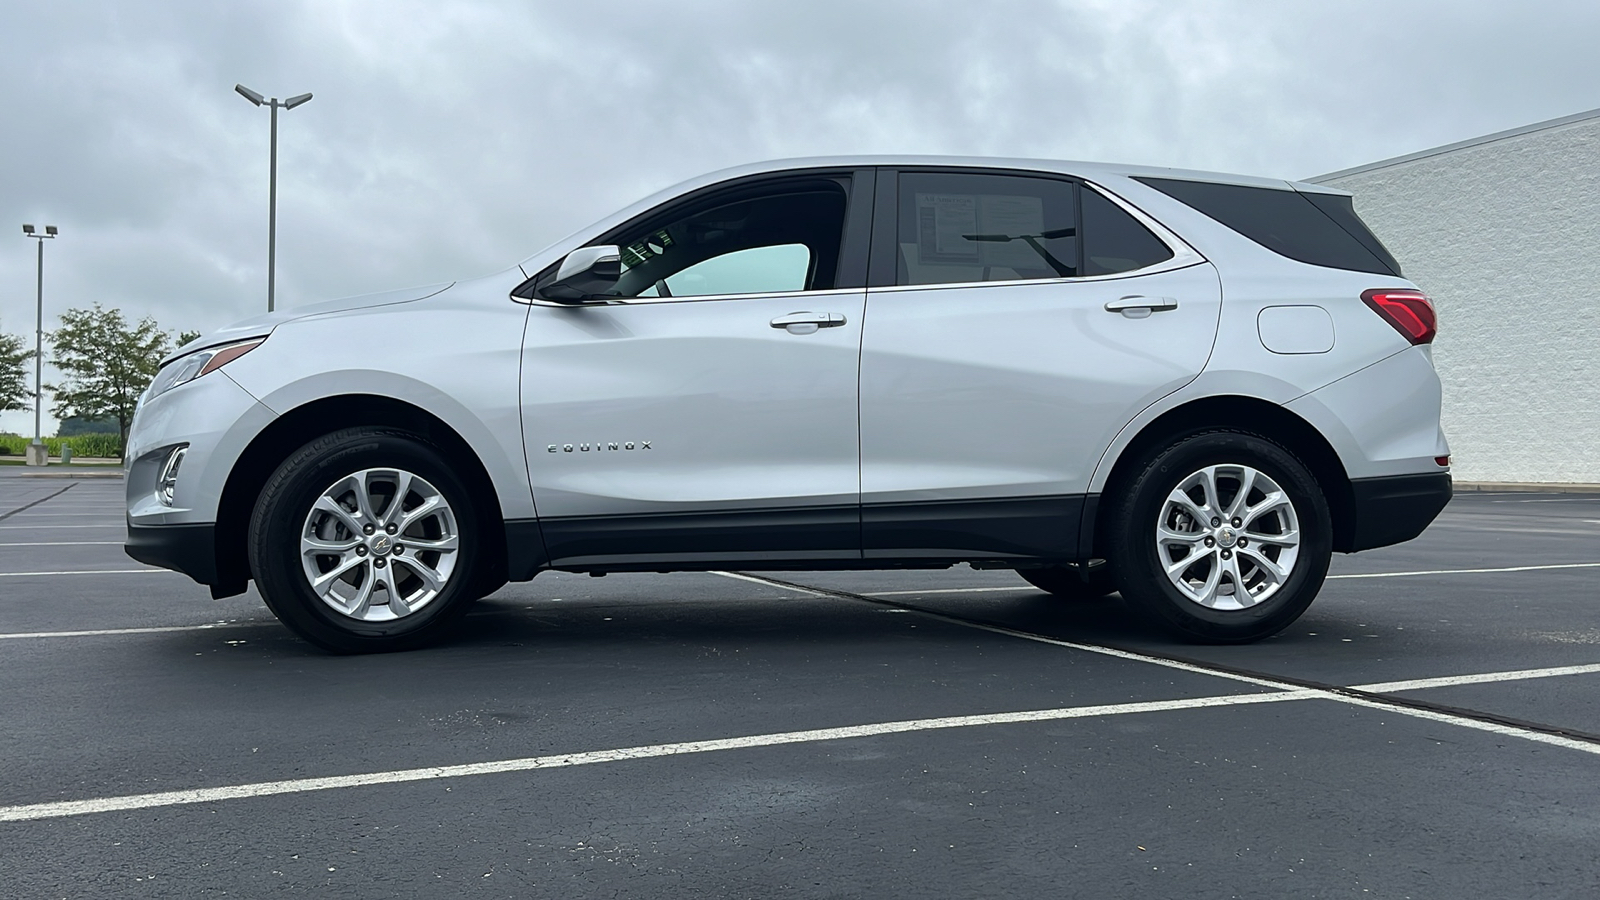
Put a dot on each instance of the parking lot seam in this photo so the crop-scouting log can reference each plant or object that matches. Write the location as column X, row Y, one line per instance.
column 1538, row 731
column 4, row 516
column 67, row 808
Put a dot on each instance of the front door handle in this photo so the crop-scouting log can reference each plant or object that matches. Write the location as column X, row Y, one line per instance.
column 808, row 322
column 1136, row 307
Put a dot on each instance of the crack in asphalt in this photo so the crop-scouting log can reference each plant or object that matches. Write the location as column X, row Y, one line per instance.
column 4, row 516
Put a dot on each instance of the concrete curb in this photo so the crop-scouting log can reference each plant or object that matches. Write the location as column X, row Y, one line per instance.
column 1526, row 487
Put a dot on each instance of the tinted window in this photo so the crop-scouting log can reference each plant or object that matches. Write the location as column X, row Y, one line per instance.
column 965, row 228
column 1342, row 210
column 1114, row 241
column 784, row 239
column 1285, row 222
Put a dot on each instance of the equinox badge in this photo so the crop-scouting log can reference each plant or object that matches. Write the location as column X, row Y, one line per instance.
column 584, row 448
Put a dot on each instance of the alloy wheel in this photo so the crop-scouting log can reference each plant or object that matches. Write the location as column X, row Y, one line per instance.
column 1227, row 537
column 379, row 544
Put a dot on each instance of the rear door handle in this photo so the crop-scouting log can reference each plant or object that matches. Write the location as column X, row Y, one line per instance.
column 807, row 322
column 1135, row 307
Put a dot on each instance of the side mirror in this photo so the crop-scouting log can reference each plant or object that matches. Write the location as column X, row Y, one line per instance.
column 587, row 273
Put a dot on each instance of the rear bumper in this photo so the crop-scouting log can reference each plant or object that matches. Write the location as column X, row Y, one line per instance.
column 1393, row 509
column 190, row 549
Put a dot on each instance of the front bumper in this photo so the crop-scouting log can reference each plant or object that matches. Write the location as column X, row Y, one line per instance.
column 190, row 549
column 1393, row 509
column 217, row 419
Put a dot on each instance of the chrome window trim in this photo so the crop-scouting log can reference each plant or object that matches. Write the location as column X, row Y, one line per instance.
column 644, row 301
column 1086, row 279
column 821, row 170
column 1183, row 255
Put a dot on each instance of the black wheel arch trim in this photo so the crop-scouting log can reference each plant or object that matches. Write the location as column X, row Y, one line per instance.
column 230, row 569
column 1231, row 412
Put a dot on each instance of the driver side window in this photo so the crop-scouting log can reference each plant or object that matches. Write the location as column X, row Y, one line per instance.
column 755, row 270
column 772, row 239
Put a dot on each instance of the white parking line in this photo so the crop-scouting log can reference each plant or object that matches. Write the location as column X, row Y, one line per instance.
column 973, row 590
column 1491, row 528
column 36, row 527
column 63, row 809
column 69, row 808
column 1280, row 692
column 1417, row 684
column 1263, row 681
column 31, row 515
column 83, row 572
column 1588, row 565
column 107, row 507
column 1024, row 587
column 62, row 544
column 155, row 629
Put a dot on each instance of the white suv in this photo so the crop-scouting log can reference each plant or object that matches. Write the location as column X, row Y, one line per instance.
column 1188, row 387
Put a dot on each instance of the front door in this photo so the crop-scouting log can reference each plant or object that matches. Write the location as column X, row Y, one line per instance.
column 707, row 415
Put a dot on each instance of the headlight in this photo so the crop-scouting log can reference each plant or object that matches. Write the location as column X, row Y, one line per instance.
column 185, row 369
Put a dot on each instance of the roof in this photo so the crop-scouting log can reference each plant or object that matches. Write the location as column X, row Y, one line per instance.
column 1461, row 145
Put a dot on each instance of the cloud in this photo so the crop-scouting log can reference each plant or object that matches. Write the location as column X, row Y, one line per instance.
column 451, row 140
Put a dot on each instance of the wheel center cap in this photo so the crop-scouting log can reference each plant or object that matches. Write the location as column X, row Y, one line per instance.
column 1227, row 537
column 381, row 544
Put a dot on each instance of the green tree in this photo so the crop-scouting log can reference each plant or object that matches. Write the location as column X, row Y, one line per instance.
column 13, row 373
column 107, row 363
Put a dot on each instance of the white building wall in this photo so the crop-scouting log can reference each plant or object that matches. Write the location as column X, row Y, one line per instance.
column 1504, row 235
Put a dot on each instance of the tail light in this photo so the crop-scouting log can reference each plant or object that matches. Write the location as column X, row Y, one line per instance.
column 1410, row 312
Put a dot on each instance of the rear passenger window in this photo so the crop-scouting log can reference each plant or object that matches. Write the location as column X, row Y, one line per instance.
column 1114, row 241
column 1285, row 222
column 957, row 228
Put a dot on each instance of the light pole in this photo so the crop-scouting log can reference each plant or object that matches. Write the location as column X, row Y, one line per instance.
column 272, row 189
column 36, row 454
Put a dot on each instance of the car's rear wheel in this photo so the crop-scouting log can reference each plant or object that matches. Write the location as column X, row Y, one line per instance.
column 1224, row 536
column 365, row 541
column 1089, row 581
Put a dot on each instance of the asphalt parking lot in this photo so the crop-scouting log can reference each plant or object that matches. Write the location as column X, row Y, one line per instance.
column 1431, row 728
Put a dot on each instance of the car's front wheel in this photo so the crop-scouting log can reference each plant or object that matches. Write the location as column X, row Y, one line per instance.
column 364, row 540
column 1224, row 536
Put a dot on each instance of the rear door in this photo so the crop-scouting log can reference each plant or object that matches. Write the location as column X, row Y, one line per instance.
column 708, row 413
column 1015, row 322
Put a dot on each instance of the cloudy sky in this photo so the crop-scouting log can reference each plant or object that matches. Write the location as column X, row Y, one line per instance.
column 452, row 139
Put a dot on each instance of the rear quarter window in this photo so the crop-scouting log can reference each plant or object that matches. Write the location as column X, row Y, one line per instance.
column 1114, row 241
column 1323, row 230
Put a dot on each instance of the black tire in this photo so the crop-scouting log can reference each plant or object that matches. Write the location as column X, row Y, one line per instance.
column 1135, row 552
column 280, row 516
column 1071, row 582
